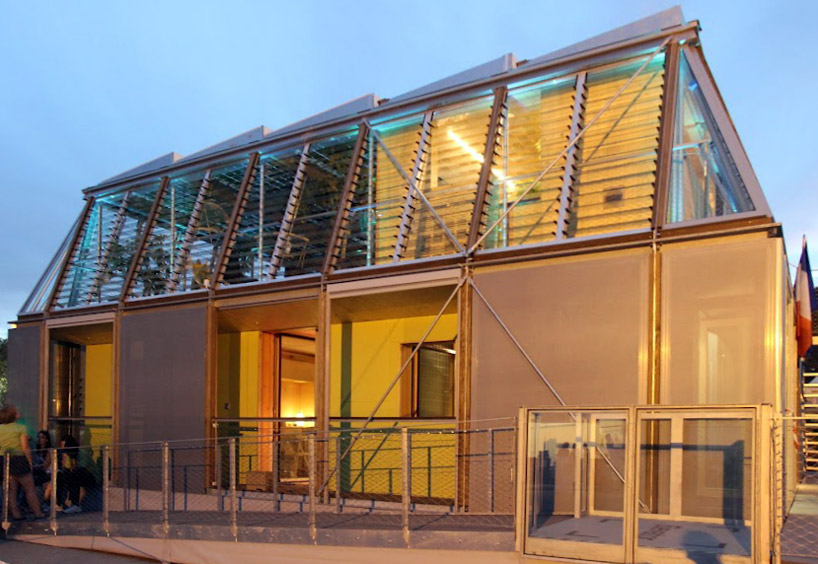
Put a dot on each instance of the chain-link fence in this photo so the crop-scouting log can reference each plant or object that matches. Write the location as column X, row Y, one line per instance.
column 396, row 477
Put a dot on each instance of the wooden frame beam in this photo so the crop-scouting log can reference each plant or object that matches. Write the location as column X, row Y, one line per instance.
column 235, row 218
column 347, row 193
column 417, row 169
column 495, row 129
column 190, row 232
column 71, row 255
column 285, row 231
column 577, row 119
column 666, row 131
column 150, row 223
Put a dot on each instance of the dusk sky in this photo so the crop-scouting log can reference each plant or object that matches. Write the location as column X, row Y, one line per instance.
column 90, row 89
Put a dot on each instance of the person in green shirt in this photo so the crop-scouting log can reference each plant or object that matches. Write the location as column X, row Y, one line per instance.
column 14, row 441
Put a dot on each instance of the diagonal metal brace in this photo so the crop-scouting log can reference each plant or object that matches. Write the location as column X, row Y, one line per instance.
column 539, row 372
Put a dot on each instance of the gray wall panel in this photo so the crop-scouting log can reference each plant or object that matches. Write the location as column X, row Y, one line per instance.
column 24, row 372
column 162, row 375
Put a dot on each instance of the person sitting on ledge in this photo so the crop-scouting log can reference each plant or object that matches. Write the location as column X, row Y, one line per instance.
column 72, row 478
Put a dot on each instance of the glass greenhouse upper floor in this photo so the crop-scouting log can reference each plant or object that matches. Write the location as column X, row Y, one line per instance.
column 623, row 133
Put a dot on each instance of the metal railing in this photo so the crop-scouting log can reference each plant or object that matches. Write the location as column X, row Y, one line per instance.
column 398, row 478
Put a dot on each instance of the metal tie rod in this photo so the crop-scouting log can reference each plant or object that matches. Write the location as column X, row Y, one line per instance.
column 539, row 372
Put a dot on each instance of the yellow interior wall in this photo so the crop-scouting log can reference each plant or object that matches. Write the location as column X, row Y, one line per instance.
column 238, row 385
column 376, row 359
column 248, row 374
column 98, row 388
column 238, row 374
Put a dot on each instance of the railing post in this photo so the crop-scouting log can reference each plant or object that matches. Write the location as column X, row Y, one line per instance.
column 106, row 491
column 173, row 480
column 276, row 472
column 406, row 480
column 6, row 476
column 311, row 451
column 491, row 470
column 127, row 489
column 219, row 492
column 234, row 527
column 165, row 488
column 338, row 474
column 52, row 517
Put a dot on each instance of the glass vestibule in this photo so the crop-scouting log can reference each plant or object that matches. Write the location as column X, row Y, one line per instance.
column 647, row 484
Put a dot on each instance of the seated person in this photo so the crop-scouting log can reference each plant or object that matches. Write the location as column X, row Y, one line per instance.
column 73, row 479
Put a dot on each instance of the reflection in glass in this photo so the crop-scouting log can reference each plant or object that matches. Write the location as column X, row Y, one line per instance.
column 704, row 180
column 578, row 469
column 695, row 478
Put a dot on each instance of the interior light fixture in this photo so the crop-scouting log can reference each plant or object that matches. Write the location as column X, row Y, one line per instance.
column 478, row 157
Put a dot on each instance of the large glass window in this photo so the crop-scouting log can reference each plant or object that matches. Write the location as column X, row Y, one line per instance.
column 536, row 126
column 286, row 224
column 87, row 268
column 614, row 182
column 704, row 180
column 429, row 386
column 190, row 226
column 443, row 156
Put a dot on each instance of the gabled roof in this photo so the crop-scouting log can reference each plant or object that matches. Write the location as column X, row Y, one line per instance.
column 504, row 64
column 155, row 164
column 252, row 136
column 672, row 17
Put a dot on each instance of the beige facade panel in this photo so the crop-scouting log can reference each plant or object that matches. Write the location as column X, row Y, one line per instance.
column 584, row 322
column 718, row 332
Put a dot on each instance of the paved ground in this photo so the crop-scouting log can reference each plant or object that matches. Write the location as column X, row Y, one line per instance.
column 799, row 539
column 14, row 552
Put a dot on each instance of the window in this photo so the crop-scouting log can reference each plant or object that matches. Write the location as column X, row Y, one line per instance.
column 428, row 385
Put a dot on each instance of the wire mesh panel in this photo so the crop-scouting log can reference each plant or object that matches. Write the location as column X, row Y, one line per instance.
column 297, row 480
column 136, row 485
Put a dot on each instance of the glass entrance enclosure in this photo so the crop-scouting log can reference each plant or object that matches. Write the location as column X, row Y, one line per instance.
column 647, row 484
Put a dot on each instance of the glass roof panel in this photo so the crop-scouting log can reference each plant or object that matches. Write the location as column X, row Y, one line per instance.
column 184, row 245
column 126, row 233
column 251, row 259
column 536, row 125
column 317, row 204
column 704, row 181
column 380, row 192
column 85, row 268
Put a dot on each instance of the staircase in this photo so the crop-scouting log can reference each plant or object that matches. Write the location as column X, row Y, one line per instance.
column 809, row 403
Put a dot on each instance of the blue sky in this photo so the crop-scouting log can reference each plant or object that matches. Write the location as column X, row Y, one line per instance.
column 90, row 89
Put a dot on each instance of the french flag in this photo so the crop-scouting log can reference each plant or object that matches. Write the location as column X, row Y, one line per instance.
column 805, row 303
